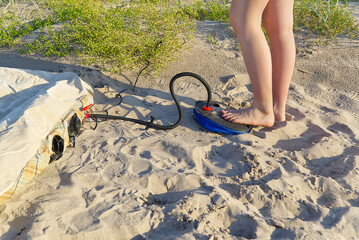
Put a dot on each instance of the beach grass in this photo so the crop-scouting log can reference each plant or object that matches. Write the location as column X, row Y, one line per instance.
column 326, row 19
column 118, row 35
column 114, row 35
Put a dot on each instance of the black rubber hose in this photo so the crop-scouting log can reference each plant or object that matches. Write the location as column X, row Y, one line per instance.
column 180, row 117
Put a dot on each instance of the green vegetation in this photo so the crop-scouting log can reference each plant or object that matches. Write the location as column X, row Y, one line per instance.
column 117, row 36
column 120, row 35
column 113, row 35
column 212, row 10
column 327, row 19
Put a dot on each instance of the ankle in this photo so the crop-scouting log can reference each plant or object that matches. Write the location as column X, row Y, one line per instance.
column 279, row 113
column 265, row 110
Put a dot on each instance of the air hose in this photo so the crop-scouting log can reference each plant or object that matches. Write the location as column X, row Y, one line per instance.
column 150, row 123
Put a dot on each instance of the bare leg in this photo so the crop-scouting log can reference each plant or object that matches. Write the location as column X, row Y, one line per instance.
column 278, row 22
column 246, row 17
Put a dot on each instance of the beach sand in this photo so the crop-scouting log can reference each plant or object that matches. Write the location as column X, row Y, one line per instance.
column 296, row 180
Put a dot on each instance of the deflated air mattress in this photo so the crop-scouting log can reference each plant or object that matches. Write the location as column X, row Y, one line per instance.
column 36, row 111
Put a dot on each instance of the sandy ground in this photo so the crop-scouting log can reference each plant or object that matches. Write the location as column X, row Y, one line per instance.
column 355, row 9
column 297, row 180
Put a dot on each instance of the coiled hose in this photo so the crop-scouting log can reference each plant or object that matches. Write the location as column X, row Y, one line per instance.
column 150, row 123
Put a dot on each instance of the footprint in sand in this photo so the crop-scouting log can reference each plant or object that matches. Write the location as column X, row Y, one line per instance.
column 313, row 135
column 245, row 227
column 341, row 127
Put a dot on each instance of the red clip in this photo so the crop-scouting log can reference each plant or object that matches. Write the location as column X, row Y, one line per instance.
column 207, row 108
column 87, row 107
column 86, row 112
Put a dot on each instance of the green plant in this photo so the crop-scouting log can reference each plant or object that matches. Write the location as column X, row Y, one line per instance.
column 12, row 2
column 211, row 10
column 325, row 18
column 212, row 38
column 13, row 26
column 119, row 36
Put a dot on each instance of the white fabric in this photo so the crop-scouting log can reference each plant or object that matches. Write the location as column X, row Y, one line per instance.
column 31, row 103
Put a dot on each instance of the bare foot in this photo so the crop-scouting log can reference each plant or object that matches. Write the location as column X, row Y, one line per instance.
column 280, row 115
column 250, row 116
column 278, row 118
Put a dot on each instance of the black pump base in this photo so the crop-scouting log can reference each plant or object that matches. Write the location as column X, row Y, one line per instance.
column 213, row 121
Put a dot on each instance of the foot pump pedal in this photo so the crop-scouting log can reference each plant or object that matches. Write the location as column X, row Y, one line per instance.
column 211, row 119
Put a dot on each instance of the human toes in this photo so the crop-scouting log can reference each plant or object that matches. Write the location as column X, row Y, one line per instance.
column 225, row 113
column 229, row 117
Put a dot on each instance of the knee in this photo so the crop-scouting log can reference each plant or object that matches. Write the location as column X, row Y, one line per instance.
column 235, row 21
column 279, row 34
column 281, row 30
column 241, row 26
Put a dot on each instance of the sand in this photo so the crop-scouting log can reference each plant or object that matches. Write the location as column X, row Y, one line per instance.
column 296, row 180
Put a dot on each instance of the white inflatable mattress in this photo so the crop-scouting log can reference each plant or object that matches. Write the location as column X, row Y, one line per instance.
column 36, row 108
